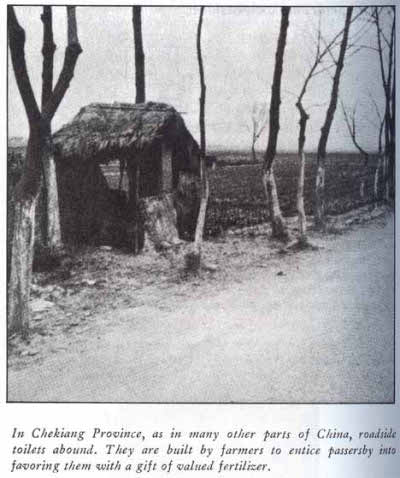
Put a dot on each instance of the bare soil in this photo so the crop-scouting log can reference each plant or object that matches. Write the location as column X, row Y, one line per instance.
column 262, row 323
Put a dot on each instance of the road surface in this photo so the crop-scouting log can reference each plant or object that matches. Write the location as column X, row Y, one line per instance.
column 315, row 326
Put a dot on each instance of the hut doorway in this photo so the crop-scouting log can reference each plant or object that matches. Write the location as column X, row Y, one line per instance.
column 150, row 200
column 150, row 171
column 156, row 170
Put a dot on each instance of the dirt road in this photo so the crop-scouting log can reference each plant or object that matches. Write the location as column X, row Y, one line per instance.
column 315, row 326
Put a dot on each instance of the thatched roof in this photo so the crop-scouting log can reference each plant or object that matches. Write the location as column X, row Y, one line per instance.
column 104, row 131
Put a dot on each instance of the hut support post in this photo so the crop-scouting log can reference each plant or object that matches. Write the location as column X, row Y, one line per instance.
column 133, row 170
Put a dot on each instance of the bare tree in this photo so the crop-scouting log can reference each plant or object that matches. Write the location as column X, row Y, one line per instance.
column 386, row 48
column 301, row 213
column 304, row 117
column 133, row 170
column 139, row 54
column 379, row 162
column 259, row 120
column 319, row 214
column 28, row 187
column 279, row 229
column 193, row 259
column 317, row 67
column 50, row 227
column 350, row 120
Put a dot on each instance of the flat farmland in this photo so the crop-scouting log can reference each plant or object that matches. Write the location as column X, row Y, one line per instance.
column 237, row 195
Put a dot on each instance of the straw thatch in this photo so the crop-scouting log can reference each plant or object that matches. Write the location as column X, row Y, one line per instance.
column 101, row 131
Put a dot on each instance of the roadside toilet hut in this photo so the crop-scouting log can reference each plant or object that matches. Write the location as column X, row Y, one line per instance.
column 153, row 146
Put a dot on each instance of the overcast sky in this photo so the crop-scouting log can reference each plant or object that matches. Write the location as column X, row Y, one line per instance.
column 238, row 44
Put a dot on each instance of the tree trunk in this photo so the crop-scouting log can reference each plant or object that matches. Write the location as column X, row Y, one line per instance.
column 388, row 81
column 201, row 218
column 376, row 181
column 319, row 214
column 139, row 54
column 26, row 195
column 253, row 153
column 393, row 136
column 21, row 266
column 52, row 232
column 364, row 178
column 302, row 218
column 50, row 226
column 193, row 259
column 391, row 161
column 278, row 226
column 279, row 230
column 386, row 154
column 386, row 177
column 50, row 229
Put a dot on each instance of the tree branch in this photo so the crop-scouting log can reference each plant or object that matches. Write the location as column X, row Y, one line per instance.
column 259, row 118
column 72, row 27
column 334, row 41
column 351, row 127
column 203, row 88
column 378, row 113
column 323, row 70
column 48, row 50
column 16, row 37
column 335, row 87
column 72, row 52
column 391, row 59
column 379, row 41
column 276, row 91
column 366, row 47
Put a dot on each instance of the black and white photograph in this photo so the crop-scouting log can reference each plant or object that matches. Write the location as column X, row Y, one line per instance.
column 200, row 204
